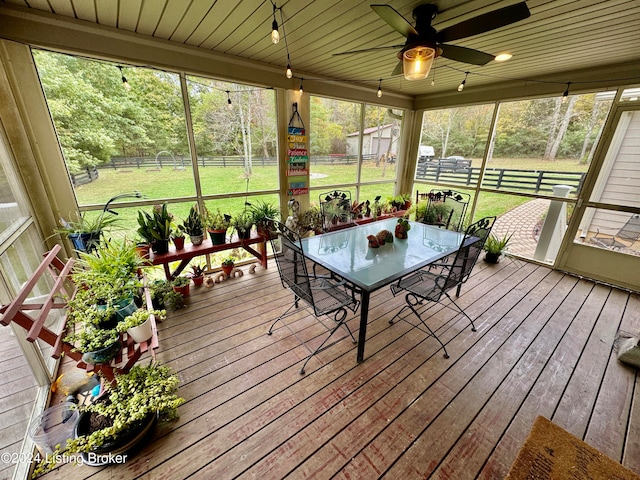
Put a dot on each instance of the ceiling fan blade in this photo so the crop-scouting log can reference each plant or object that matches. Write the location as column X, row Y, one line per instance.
column 393, row 18
column 398, row 70
column 465, row 55
column 485, row 23
column 365, row 50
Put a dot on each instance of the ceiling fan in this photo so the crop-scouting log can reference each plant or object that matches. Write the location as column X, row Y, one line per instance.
column 424, row 43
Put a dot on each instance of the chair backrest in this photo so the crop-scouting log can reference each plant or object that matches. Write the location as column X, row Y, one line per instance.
column 631, row 230
column 446, row 208
column 471, row 246
column 335, row 206
column 421, row 196
column 291, row 262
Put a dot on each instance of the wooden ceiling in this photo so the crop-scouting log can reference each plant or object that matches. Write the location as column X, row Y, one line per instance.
column 560, row 39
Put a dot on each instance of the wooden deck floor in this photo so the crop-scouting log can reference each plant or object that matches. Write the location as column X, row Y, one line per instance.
column 17, row 395
column 543, row 347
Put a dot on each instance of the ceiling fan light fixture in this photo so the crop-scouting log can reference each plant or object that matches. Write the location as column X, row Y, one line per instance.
column 416, row 62
column 503, row 57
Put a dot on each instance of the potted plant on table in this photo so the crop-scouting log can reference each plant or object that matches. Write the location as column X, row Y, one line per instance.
column 178, row 239
column 217, row 224
column 243, row 223
column 156, row 228
column 138, row 324
column 495, row 247
column 121, row 417
column 193, row 226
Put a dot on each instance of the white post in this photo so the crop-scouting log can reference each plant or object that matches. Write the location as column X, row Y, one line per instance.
column 554, row 226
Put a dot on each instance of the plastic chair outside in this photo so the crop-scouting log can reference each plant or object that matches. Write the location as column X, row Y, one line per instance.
column 625, row 238
column 427, row 286
column 326, row 296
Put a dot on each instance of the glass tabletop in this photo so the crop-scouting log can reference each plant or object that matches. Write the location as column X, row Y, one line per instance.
column 346, row 252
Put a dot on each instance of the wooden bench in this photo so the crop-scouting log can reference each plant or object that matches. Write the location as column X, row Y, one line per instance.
column 32, row 317
column 190, row 251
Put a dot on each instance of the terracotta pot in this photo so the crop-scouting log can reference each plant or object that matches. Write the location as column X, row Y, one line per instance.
column 179, row 243
column 227, row 269
column 184, row 290
column 197, row 281
column 143, row 250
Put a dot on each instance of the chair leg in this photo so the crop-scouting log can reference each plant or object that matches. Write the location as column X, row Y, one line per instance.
column 431, row 332
column 295, row 305
column 339, row 323
column 473, row 326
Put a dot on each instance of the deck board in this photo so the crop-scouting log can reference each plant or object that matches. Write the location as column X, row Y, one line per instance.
column 543, row 346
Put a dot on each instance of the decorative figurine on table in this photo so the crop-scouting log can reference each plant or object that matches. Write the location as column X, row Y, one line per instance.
column 373, row 241
column 379, row 239
column 402, row 228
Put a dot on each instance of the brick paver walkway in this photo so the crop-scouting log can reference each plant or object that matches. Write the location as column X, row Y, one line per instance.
column 522, row 221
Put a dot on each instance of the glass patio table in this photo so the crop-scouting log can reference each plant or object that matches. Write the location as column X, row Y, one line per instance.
column 347, row 254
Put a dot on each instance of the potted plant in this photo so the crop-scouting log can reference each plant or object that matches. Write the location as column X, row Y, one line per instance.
column 97, row 345
column 164, row 297
column 402, row 228
column 262, row 212
column 197, row 274
column 181, row 285
column 193, row 226
column 227, row 264
column 495, row 247
column 138, row 326
column 125, row 412
column 217, row 224
column 242, row 223
column 156, row 228
column 178, row 239
column 85, row 232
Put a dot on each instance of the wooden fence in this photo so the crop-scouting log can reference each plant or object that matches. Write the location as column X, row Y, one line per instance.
column 87, row 176
column 537, row 181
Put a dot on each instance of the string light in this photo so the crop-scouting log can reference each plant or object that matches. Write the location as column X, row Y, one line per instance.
column 566, row 93
column 125, row 84
column 380, row 89
column 301, row 89
column 229, row 105
column 289, row 72
column 275, row 35
column 461, row 86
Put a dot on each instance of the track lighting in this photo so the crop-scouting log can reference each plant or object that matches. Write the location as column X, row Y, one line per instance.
column 229, row 105
column 125, row 84
column 380, row 89
column 461, row 86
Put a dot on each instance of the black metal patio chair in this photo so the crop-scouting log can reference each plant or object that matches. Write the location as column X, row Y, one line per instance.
column 430, row 286
column 624, row 238
column 445, row 208
column 325, row 295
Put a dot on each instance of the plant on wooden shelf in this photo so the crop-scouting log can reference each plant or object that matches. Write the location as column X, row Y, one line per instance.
column 155, row 228
column 97, row 345
column 217, row 224
column 495, row 247
column 261, row 212
column 193, row 226
column 138, row 325
column 242, row 223
column 128, row 408
column 178, row 239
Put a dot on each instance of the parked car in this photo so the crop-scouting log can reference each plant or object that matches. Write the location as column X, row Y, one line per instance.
column 425, row 153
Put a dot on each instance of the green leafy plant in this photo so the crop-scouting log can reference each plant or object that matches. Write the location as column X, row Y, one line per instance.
column 229, row 261
column 497, row 246
column 262, row 211
column 242, row 222
column 156, row 225
column 143, row 391
column 138, row 317
column 197, row 270
column 216, row 220
column 86, row 224
column 193, row 225
column 180, row 281
column 92, row 339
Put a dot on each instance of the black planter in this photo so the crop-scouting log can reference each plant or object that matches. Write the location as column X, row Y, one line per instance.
column 492, row 257
column 124, row 443
column 218, row 237
column 160, row 246
column 85, row 242
column 244, row 234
